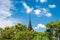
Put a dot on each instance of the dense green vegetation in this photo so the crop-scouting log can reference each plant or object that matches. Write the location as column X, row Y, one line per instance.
column 20, row 32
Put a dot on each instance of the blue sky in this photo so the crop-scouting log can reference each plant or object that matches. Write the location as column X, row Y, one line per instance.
column 18, row 11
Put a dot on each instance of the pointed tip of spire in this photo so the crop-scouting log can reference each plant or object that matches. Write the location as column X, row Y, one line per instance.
column 30, row 25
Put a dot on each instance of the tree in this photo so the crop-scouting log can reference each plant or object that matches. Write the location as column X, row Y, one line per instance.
column 53, row 28
column 20, row 27
column 24, row 35
column 8, row 33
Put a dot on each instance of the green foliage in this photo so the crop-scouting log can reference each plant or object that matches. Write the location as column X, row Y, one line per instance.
column 53, row 29
column 20, row 27
column 20, row 32
column 9, row 33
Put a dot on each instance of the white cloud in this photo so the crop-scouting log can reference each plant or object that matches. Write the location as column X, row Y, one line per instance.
column 42, row 1
column 37, row 11
column 52, row 6
column 8, row 22
column 5, row 12
column 44, row 10
column 5, row 6
column 4, row 23
column 28, row 9
column 37, row 0
column 40, row 26
column 48, row 14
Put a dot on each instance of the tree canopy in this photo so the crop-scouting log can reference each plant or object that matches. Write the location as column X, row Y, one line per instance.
column 20, row 32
